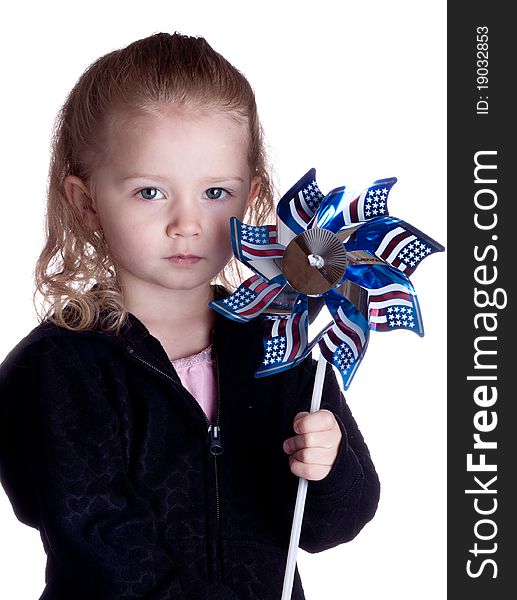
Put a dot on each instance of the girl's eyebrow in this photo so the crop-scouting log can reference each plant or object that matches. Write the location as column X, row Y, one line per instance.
column 214, row 179
column 229, row 178
column 130, row 177
column 211, row 179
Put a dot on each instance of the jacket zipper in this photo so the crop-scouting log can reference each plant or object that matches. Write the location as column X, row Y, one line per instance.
column 216, row 448
column 214, row 431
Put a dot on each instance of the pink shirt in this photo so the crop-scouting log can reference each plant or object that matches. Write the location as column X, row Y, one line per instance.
column 197, row 374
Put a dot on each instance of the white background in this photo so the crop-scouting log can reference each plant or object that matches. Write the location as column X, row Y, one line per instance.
column 354, row 89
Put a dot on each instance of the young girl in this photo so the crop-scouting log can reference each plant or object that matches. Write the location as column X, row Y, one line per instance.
column 134, row 435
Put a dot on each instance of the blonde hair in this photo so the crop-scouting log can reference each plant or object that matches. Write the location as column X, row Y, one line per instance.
column 74, row 272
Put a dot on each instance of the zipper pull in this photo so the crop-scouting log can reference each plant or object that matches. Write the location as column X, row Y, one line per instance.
column 216, row 446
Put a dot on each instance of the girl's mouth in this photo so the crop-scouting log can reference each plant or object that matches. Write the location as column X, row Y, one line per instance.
column 184, row 259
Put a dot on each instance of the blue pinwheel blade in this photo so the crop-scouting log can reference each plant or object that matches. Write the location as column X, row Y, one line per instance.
column 285, row 340
column 256, row 246
column 250, row 299
column 344, row 342
column 395, row 241
column 392, row 300
column 297, row 207
column 339, row 208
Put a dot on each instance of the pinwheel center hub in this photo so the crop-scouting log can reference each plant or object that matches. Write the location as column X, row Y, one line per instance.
column 314, row 261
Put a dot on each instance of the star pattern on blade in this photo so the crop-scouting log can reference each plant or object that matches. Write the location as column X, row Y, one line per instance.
column 401, row 317
column 382, row 252
column 414, row 252
column 241, row 298
column 258, row 234
column 312, row 196
column 344, row 358
column 376, row 202
column 274, row 351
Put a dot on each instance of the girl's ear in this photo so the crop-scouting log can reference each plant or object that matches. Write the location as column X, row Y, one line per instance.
column 79, row 197
column 256, row 182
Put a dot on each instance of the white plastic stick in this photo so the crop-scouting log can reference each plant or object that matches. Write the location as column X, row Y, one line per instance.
column 302, row 493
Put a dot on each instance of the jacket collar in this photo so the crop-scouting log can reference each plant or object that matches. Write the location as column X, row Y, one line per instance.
column 229, row 338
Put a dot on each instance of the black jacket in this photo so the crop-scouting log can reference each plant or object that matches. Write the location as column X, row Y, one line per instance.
column 110, row 458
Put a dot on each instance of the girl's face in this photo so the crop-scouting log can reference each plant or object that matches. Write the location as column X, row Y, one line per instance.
column 165, row 196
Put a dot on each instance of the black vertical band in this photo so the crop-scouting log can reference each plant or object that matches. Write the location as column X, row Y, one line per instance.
column 482, row 402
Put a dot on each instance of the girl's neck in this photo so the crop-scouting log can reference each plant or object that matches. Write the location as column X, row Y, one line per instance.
column 181, row 320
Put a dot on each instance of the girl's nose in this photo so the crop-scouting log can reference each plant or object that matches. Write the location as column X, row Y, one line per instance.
column 183, row 221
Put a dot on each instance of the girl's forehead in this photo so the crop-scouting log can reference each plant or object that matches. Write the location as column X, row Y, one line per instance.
column 176, row 135
column 169, row 123
column 160, row 115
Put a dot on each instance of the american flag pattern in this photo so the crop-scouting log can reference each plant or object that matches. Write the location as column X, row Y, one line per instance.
column 297, row 207
column 285, row 340
column 390, row 295
column 395, row 241
column 394, row 307
column 255, row 242
column 250, row 299
column 340, row 209
column 344, row 343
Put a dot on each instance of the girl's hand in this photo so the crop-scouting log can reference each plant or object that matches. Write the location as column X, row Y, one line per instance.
column 313, row 450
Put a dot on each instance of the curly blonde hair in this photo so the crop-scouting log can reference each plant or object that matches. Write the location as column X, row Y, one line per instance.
column 74, row 272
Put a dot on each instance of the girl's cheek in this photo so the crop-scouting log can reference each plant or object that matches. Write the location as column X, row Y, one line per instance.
column 224, row 243
column 223, row 229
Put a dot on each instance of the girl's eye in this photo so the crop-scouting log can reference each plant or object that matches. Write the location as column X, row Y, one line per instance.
column 150, row 193
column 216, row 193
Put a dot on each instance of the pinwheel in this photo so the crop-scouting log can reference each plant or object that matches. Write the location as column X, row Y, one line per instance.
column 344, row 249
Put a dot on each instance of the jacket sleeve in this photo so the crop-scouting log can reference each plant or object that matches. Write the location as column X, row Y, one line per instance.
column 338, row 506
column 99, row 533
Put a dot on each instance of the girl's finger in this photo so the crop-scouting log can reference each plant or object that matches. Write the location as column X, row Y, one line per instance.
column 315, row 456
column 321, row 420
column 317, row 439
column 309, row 472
